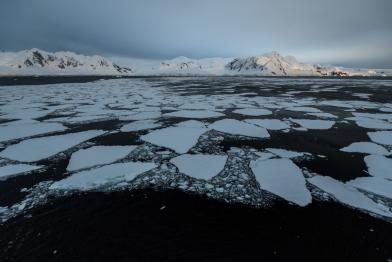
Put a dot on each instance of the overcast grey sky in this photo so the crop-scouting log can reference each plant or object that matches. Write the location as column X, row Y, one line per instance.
column 341, row 32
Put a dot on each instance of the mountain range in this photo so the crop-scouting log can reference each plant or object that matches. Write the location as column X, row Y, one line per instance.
column 38, row 62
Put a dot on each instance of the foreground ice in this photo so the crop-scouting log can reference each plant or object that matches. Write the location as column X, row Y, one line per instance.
column 253, row 112
column 97, row 155
column 195, row 114
column 381, row 137
column 375, row 185
column 270, row 124
column 140, row 125
column 179, row 138
column 110, row 174
column 314, row 124
column 283, row 153
column 348, row 195
column 379, row 166
column 44, row 147
column 283, row 178
column 20, row 130
column 15, row 169
column 236, row 127
column 200, row 166
column 365, row 147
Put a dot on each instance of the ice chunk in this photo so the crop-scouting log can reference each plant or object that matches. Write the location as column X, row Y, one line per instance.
column 304, row 109
column 348, row 195
column 270, row 124
column 21, row 130
column 179, row 138
column 236, row 127
column 381, row 137
column 35, row 149
column 97, row 155
column 283, row 153
column 322, row 115
column 375, row 185
column 253, row 112
column 139, row 125
column 379, row 166
column 200, row 166
column 283, row 178
column 15, row 169
column 110, row 174
column 314, row 124
column 195, row 114
column 365, row 147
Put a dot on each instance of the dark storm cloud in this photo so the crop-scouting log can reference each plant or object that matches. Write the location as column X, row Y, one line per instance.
column 347, row 32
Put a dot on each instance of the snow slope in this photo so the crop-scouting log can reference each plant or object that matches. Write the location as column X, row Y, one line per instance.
column 38, row 62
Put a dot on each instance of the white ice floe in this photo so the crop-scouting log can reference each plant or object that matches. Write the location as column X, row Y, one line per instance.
column 140, row 125
column 16, row 169
column 381, row 137
column 179, row 138
column 366, row 148
column 110, row 174
column 379, row 166
column 322, row 115
column 348, row 195
column 20, row 130
column 97, row 155
column 283, row 153
column 200, row 114
column 35, row 149
column 375, row 185
column 253, row 112
column 200, row 166
column 283, row 178
column 236, row 127
column 192, row 123
column 141, row 116
column 270, row 124
column 304, row 109
column 314, row 124
column 371, row 123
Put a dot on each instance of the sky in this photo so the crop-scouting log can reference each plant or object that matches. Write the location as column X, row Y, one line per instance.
column 353, row 33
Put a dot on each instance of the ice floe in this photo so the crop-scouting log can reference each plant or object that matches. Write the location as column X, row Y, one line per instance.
column 97, row 155
column 16, row 169
column 283, row 153
column 304, row 109
column 314, row 124
column 348, row 195
column 20, row 130
column 381, row 137
column 253, row 112
column 375, row 185
column 35, row 149
column 235, row 127
column 140, row 125
column 379, row 166
column 366, row 148
column 270, row 124
column 200, row 166
column 282, row 178
column 110, row 174
column 178, row 138
column 194, row 114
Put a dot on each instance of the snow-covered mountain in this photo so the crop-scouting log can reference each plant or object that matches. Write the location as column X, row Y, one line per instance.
column 38, row 62
column 270, row 64
column 273, row 64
